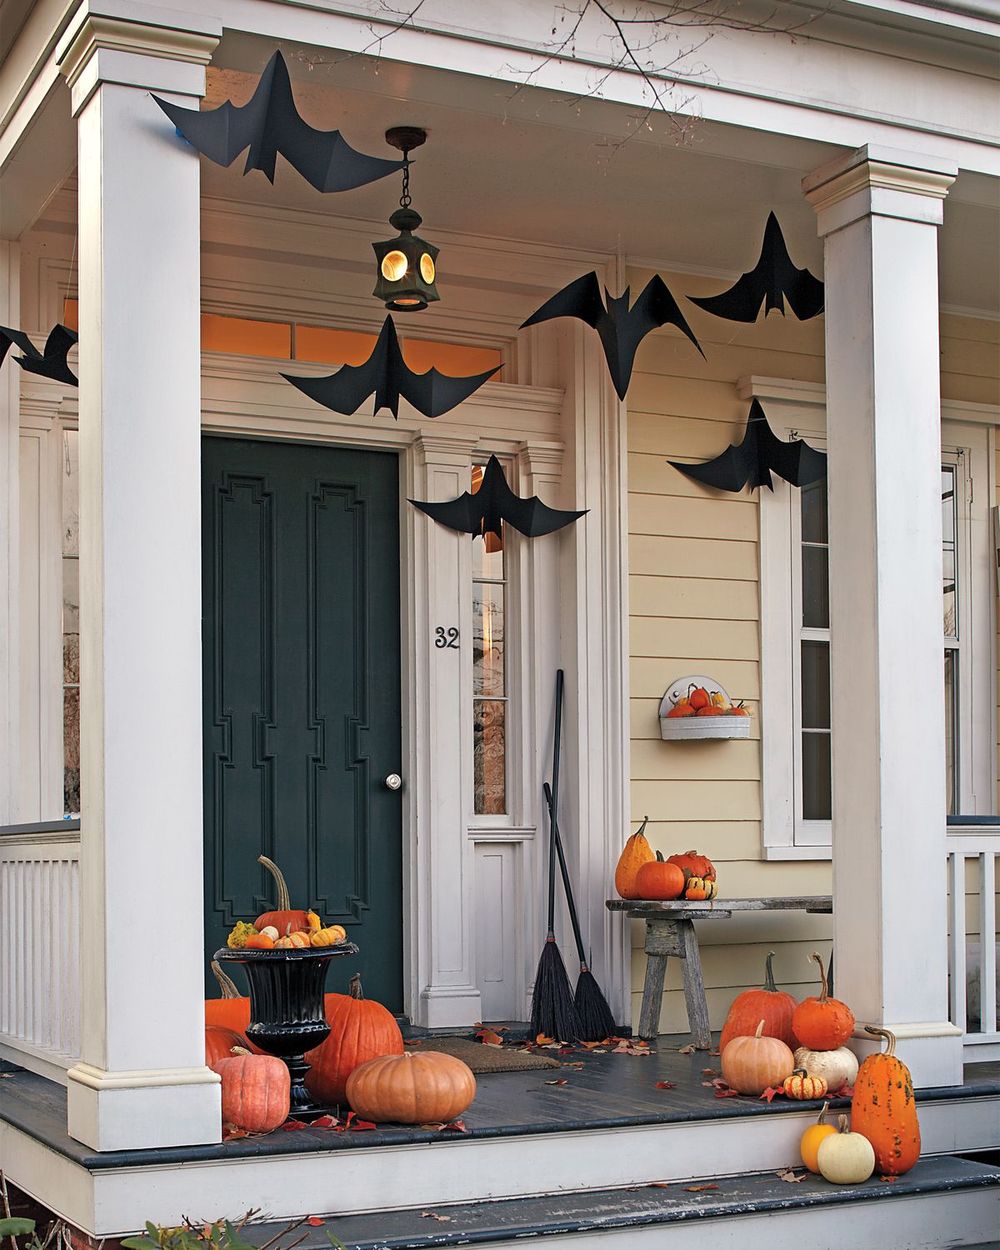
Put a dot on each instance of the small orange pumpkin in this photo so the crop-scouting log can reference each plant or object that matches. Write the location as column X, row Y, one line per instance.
column 427, row 1087
column 285, row 919
column 699, row 888
column 231, row 1011
column 219, row 1043
column 802, row 1086
column 694, row 865
column 883, row 1108
column 811, row 1138
column 658, row 879
column 256, row 1092
column 773, row 1006
column 752, row 1064
column 822, row 1023
column 635, row 853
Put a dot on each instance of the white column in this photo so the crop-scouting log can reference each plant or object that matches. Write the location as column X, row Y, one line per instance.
column 442, row 988
column 141, row 1080
column 878, row 212
column 10, row 315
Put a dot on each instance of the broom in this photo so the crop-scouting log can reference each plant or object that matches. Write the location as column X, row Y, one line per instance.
column 552, row 1009
column 594, row 1019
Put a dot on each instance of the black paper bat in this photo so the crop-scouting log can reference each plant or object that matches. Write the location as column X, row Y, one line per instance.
column 269, row 123
column 482, row 512
column 621, row 328
column 386, row 375
column 773, row 279
column 48, row 363
column 750, row 462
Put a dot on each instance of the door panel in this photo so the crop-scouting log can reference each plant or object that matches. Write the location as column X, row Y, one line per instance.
column 302, row 692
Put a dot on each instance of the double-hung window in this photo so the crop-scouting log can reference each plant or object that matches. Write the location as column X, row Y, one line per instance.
column 797, row 740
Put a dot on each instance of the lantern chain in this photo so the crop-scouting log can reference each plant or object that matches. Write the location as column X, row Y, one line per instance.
column 404, row 199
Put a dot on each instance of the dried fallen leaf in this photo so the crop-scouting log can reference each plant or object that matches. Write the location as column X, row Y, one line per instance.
column 710, row 1071
column 689, row 1049
column 889, row 1180
column 456, row 1126
column 845, row 1091
column 229, row 1133
column 542, row 1039
column 666, row 1085
column 625, row 1047
column 771, row 1093
column 790, row 1175
column 659, row 1185
column 315, row 1221
column 697, row 1189
column 291, row 1125
column 326, row 1121
column 593, row 1045
column 727, row 1093
column 560, row 1081
column 489, row 1037
column 433, row 1215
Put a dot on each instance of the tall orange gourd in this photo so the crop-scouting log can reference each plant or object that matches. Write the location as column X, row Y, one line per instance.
column 822, row 1023
column 635, row 853
column 769, row 1004
column 360, row 1029
column 883, row 1108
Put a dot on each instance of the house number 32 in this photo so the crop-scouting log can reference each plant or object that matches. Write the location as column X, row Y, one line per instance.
column 446, row 637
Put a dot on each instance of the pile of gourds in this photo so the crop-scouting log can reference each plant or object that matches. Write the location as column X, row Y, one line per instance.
column 285, row 928
column 644, row 874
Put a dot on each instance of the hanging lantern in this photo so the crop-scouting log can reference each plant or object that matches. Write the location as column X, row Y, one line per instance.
column 407, row 264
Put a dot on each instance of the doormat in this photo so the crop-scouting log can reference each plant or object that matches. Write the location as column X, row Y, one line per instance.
column 484, row 1059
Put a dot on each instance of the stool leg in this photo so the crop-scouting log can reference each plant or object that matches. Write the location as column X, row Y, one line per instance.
column 694, row 990
column 652, row 996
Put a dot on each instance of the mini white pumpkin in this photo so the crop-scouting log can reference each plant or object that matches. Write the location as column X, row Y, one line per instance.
column 845, row 1158
column 837, row 1067
column 270, row 931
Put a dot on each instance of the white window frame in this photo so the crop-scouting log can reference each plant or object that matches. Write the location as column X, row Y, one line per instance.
column 968, row 441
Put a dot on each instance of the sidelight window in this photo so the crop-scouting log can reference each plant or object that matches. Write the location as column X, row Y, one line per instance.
column 489, row 677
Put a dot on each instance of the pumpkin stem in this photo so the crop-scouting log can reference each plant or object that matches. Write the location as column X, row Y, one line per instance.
column 642, row 827
column 659, row 857
column 760, row 1028
column 283, row 901
column 226, row 982
column 889, row 1036
column 825, row 992
column 822, row 1114
column 769, row 974
column 842, row 1125
column 354, row 988
column 240, row 1050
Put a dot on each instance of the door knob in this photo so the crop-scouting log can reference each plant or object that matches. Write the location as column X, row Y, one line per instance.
column 394, row 782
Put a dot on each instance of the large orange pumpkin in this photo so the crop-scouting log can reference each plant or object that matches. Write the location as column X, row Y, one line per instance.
column 360, row 1029
column 219, row 1043
column 883, row 1108
column 694, row 865
column 751, row 1064
column 428, row 1087
column 769, row 1004
column 256, row 1091
column 635, row 853
column 822, row 1023
column 658, row 879
column 285, row 919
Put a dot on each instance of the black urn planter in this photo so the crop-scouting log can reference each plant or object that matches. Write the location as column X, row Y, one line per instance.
column 286, row 1008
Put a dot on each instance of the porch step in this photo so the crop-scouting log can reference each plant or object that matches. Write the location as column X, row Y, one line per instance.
column 941, row 1201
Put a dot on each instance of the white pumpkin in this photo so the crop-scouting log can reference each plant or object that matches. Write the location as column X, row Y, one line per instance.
column 845, row 1158
column 837, row 1067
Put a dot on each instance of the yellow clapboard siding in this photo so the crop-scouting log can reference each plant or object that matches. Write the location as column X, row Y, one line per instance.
column 705, row 639
column 696, row 761
column 692, row 518
column 769, row 929
column 682, row 438
column 692, row 398
column 650, row 474
column 718, row 839
column 968, row 356
column 725, row 363
column 659, row 556
column 965, row 388
column 697, row 800
column 728, row 967
column 650, row 676
column 680, row 597
column 979, row 329
column 645, row 720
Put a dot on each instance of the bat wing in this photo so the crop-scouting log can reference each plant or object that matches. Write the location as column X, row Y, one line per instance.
column 347, row 389
column 656, row 306
column 795, row 461
column 582, row 298
column 740, row 303
column 434, row 393
column 534, row 518
column 622, row 329
column 806, row 295
column 222, row 133
column 15, row 338
column 730, row 471
column 464, row 514
column 326, row 160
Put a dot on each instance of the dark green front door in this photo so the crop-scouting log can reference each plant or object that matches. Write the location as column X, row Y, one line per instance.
column 302, row 692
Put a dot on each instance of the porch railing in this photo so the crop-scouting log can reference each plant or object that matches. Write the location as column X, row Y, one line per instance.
column 973, row 851
column 39, row 950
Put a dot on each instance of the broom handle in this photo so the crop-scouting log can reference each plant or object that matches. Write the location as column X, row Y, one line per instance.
column 556, row 740
column 570, row 901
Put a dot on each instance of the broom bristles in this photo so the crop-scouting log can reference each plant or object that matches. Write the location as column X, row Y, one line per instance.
column 552, row 1009
column 594, row 1019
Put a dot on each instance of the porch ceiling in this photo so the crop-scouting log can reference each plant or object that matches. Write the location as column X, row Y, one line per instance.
column 533, row 166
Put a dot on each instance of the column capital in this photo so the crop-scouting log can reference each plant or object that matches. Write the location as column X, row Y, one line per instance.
column 445, row 449
column 879, row 181
column 136, row 45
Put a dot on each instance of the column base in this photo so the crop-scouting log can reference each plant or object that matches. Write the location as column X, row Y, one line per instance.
column 449, row 1006
column 145, row 1109
column 932, row 1050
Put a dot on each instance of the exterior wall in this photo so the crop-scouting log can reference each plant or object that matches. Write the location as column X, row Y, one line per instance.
column 695, row 608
